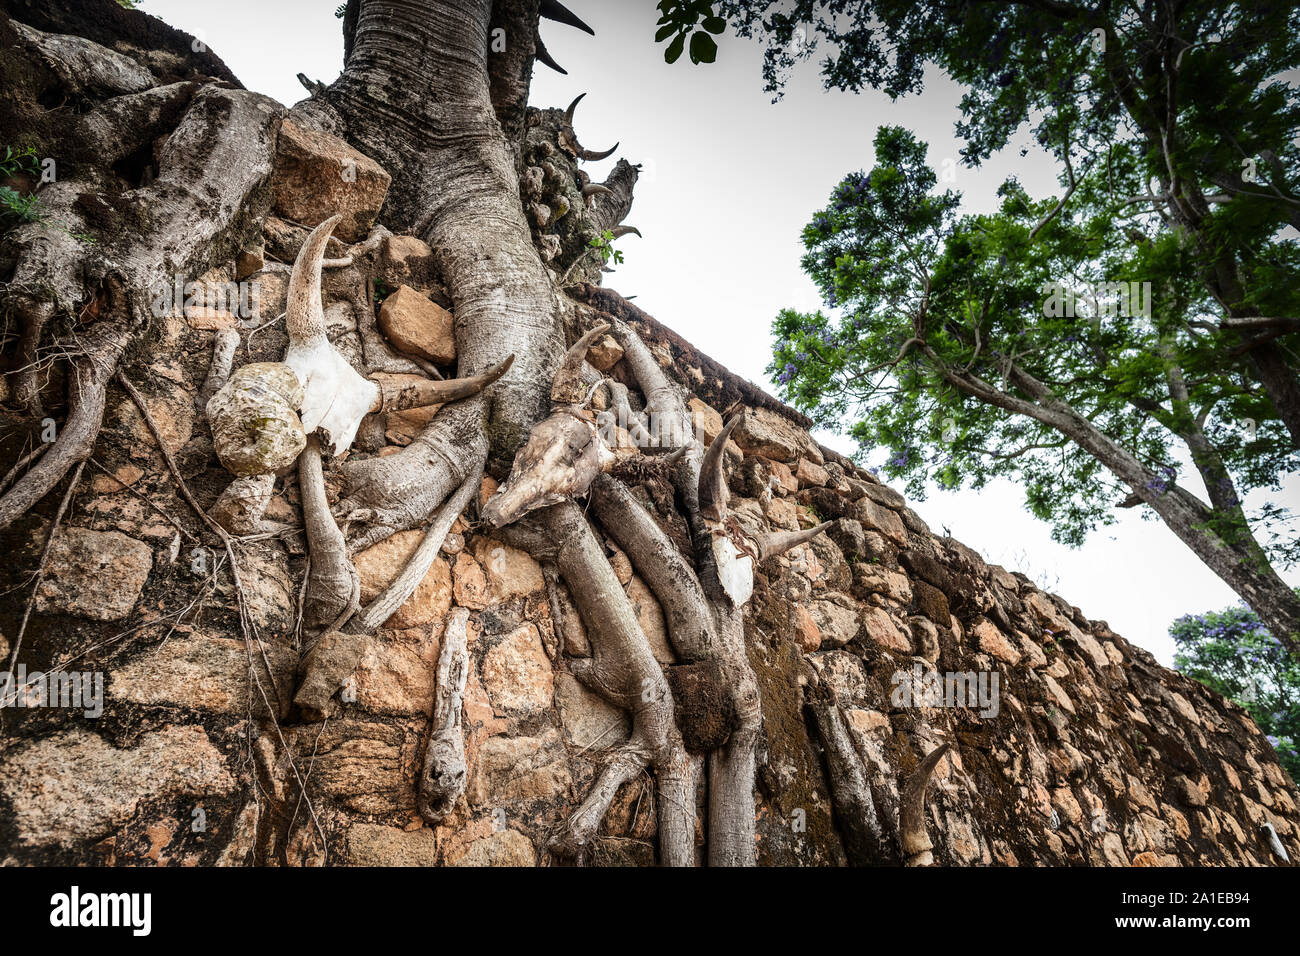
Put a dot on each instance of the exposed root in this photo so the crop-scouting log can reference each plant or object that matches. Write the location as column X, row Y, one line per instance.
column 855, row 807
column 623, row 671
column 87, row 391
column 401, row 491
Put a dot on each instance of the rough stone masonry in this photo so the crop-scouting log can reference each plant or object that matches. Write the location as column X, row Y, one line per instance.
column 1094, row 753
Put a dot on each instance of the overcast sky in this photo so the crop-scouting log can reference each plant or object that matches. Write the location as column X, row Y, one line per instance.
column 729, row 181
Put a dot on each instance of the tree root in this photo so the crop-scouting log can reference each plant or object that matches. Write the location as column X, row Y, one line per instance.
column 623, row 671
column 87, row 393
column 864, row 840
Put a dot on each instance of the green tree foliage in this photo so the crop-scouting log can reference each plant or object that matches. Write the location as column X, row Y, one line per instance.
column 952, row 339
column 1197, row 93
column 1230, row 651
column 689, row 25
column 931, row 312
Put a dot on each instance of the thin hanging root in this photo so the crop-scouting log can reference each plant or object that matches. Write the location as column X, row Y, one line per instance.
column 40, row 565
column 245, row 622
column 442, row 780
column 247, row 627
column 22, row 463
column 400, row 392
column 912, row 835
column 87, row 392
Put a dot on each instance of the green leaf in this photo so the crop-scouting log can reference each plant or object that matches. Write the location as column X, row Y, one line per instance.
column 703, row 49
column 714, row 25
column 665, row 32
column 674, row 51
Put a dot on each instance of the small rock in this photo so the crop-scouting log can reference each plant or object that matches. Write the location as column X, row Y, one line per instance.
column 772, row 435
column 589, row 722
column 370, row 844
column 94, row 574
column 517, row 674
column 418, row 326
column 317, row 175
column 507, row 848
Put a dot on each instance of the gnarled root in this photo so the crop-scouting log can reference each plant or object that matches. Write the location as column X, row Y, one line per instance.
column 87, row 390
column 401, row 491
column 624, row 672
column 855, row 807
column 213, row 160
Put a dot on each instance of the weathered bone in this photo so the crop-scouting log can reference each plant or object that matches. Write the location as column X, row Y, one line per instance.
column 551, row 10
column 337, row 395
column 912, row 835
column 562, row 456
column 567, row 386
column 445, row 772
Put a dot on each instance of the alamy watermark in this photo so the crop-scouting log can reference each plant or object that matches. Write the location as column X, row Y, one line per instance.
column 927, row 687
column 1097, row 300
column 73, row 690
column 239, row 299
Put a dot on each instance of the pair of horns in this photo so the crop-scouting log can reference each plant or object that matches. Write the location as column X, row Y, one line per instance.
column 567, row 387
column 587, row 154
column 550, row 10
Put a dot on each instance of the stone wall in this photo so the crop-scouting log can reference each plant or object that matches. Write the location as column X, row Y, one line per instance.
column 1090, row 752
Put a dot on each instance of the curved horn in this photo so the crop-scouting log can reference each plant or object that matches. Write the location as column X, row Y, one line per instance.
column 915, row 841
column 596, row 189
column 545, row 57
column 551, row 10
column 779, row 542
column 304, row 313
column 399, row 392
column 568, row 114
column 592, row 155
column 625, row 230
column 713, row 488
column 567, row 387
